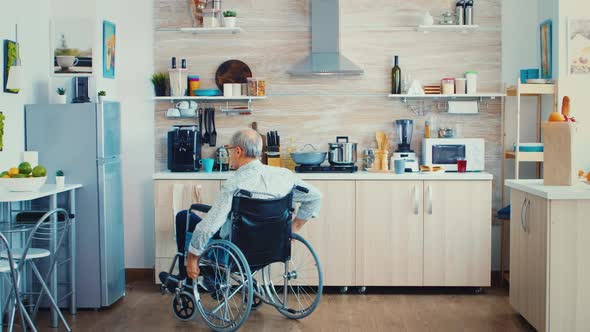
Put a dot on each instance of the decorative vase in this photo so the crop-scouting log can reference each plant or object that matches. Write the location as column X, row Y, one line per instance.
column 160, row 91
column 229, row 22
column 61, row 99
column 60, row 181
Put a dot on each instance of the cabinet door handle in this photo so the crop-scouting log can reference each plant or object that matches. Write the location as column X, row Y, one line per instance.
column 429, row 193
column 526, row 219
column 523, row 214
column 416, row 200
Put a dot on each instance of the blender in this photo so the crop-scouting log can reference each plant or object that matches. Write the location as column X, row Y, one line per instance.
column 404, row 129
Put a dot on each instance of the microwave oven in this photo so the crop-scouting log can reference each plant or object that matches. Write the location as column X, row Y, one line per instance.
column 445, row 152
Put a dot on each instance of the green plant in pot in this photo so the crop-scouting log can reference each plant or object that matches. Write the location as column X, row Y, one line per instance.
column 61, row 96
column 229, row 18
column 160, row 82
column 60, row 178
column 101, row 95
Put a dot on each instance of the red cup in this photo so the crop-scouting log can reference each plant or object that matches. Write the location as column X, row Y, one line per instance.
column 461, row 165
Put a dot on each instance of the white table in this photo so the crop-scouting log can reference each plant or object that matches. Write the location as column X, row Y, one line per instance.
column 51, row 191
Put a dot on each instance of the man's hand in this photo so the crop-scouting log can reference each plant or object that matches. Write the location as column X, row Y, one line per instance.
column 297, row 224
column 192, row 266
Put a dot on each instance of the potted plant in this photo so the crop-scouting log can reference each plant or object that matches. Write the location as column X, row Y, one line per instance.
column 229, row 18
column 159, row 80
column 61, row 96
column 101, row 95
column 60, row 179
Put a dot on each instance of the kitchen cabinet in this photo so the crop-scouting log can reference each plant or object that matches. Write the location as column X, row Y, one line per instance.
column 457, row 233
column 374, row 231
column 332, row 234
column 549, row 268
column 528, row 257
column 172, row 196
column 389, row 232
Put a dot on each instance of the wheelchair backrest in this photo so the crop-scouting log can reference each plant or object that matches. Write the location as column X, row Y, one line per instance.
column 261, row 228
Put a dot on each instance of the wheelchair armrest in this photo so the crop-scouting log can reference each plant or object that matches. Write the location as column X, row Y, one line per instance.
column 201, row 207
column 302, row 189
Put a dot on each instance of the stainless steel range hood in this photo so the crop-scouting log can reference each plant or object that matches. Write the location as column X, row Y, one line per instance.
column 325, row 58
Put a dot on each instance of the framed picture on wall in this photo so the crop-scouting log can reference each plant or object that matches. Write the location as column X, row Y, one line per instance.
column 71, row 47
column 578, row 46
column 10, row 59
column 109, row 39
column 2, row 118
column 546, row 50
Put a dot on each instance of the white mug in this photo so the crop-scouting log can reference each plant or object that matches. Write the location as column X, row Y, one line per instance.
column 236, row 90
column 228, row 90
column 187, row 105
column 173, row 112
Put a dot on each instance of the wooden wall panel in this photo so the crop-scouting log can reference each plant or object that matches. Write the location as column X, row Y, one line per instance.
column 314, row 110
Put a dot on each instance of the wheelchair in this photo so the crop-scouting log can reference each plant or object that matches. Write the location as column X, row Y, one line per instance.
column 261, row 262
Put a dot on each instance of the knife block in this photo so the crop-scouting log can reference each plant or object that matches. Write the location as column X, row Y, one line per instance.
column 274, row 159
column 558, row 156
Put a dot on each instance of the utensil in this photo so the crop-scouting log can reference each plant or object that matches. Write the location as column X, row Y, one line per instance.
column 201, row 139
column 309, row 158
column 342, row 153
column 213, row 136
column 380, row 137
column 232, row 71
column 264, row 141
column 206, row 119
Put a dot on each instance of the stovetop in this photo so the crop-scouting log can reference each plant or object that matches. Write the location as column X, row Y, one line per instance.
column 326, row 169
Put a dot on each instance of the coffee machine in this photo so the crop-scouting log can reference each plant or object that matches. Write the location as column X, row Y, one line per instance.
column 184, row 149
column 405, row 129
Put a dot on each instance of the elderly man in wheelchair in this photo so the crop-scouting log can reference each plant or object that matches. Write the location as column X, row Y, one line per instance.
column 246, row 250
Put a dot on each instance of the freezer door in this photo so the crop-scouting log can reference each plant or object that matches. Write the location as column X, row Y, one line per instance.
column 112, row 250
column 109, row 129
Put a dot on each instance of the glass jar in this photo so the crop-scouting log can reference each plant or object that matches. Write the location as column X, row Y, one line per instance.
column 448, row 86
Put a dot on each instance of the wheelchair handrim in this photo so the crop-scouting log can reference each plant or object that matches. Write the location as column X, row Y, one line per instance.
column 297, row 293
column 218, row 318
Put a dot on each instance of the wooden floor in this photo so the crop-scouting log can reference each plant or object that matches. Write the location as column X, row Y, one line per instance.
column 145, row 310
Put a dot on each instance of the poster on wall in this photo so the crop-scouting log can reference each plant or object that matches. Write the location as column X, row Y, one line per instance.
column 10, row 58
column 109, row 34
column 2, row 118
column 71, row 41
column 546, row 50
column 578, row 46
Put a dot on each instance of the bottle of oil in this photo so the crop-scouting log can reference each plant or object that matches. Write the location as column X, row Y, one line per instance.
column 287, row 160
column 396, row 77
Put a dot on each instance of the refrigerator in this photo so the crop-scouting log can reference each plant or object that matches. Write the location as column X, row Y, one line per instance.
column 84, row 140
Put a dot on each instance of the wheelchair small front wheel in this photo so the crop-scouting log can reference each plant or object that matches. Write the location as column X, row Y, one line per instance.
column 183, row 306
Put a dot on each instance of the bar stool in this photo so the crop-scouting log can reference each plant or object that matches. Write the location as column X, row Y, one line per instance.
column 53, row 233
column 8, row 270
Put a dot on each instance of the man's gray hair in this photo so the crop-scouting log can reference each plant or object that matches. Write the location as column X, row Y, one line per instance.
column 249, row 140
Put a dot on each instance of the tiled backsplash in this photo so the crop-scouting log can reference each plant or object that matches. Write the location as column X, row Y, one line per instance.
column 316, row 110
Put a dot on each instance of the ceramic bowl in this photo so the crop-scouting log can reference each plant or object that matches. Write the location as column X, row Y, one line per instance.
column 22, row 184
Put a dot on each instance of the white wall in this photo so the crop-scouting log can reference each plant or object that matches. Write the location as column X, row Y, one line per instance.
column 131, row 86
column 134, row 67
column 32, row 19
column 576, row 87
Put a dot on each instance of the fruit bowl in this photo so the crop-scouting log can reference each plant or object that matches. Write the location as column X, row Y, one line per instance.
column 22, row 184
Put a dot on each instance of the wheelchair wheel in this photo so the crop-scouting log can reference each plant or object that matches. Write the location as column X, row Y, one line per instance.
column 183, row 306
column 228, row 302
column 296, row 286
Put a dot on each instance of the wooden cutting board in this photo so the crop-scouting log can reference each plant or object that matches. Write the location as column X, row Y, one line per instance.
column 232, row 71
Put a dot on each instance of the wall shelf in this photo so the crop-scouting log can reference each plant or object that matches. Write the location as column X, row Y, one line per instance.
column 200, row 31
column 531, row 90
column 525, row 156
column 447, row 28
column 213, row 98
column 480, row 96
